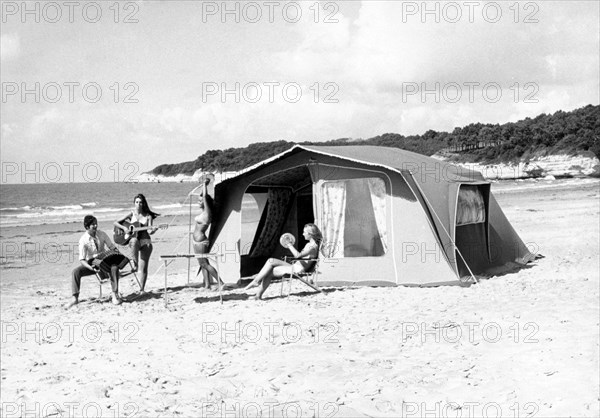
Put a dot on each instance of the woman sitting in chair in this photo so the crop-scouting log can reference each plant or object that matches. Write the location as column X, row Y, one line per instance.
column 275, row 268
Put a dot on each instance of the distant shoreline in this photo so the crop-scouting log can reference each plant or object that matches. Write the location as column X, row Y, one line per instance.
column 68, row 226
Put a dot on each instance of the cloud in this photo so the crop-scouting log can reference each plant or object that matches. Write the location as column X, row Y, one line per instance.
column 370, row 55
column 10, row 46
column 548, row 53
column 385, row 46
column 8, row 129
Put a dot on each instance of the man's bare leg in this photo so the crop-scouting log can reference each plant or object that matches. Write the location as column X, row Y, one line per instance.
column 114, row 282
column 115, row 299
column 74, row 302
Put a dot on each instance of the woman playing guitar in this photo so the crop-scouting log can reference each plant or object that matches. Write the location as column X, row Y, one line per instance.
column 140, row 243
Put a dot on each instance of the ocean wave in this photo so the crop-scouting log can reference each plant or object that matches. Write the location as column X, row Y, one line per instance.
column 65, row 207
column 106, row 210
column 59, row 203
column 28, row 208
column 169, row 206
column 22, row 208
column 41, row 216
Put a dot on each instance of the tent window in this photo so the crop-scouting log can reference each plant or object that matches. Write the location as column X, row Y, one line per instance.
column 471, row 206
column 354, row 217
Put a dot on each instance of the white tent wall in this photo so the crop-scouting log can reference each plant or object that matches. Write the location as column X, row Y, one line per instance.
column 419, row 255
column 227, row 243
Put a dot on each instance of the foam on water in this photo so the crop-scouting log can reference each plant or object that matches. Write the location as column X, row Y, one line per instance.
column 38, row 204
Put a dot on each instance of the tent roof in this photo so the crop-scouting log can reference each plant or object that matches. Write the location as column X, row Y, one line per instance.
column 395, row 159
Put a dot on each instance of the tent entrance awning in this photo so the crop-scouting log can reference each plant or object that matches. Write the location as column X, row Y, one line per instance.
column 295, row 178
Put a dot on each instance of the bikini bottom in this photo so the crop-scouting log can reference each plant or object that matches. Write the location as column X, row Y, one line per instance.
column 145, row 241
column 201, row 247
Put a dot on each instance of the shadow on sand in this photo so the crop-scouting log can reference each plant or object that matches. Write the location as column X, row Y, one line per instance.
column 231, row 296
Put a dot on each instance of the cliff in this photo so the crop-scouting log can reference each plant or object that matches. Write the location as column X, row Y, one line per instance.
column 552, row 165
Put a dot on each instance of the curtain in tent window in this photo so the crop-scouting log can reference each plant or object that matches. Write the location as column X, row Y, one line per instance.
column 253, row 205
column 334, row 214
column 277, row 208
column 470, row 207
column 377, row 190
column 354, row 217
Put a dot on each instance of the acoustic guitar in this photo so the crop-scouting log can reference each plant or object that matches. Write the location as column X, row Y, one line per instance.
column 122, row 238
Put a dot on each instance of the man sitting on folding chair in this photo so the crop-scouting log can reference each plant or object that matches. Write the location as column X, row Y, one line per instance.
column 92, row 248
column 305, row 259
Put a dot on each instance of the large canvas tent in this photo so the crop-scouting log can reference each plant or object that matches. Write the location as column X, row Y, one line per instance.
column 388, row 217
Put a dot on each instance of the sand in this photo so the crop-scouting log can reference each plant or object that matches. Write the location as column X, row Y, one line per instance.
column 521, row 344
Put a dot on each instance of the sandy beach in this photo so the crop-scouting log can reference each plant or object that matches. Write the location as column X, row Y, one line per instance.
column 522, row 344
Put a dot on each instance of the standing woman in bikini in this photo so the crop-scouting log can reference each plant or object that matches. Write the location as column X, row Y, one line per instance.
column 201, row 242
column 142, row 243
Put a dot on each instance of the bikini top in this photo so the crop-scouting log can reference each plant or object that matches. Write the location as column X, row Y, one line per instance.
column 143, row 220
column 201, row 223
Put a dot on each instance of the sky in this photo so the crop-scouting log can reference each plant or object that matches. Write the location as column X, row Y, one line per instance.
column 107, row 90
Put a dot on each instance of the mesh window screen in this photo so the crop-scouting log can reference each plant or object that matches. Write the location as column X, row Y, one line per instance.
column 471, row 206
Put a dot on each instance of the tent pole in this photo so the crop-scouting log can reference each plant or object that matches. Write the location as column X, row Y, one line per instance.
column 189, row 241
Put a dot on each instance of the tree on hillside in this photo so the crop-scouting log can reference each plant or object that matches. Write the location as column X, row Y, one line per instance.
column 561, row 132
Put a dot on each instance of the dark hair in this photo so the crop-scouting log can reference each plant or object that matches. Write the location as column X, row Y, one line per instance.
column 88, row 220
column 209, row 200
column 145, row 208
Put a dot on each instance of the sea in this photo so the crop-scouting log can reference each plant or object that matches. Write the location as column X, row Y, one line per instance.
column 66, row 203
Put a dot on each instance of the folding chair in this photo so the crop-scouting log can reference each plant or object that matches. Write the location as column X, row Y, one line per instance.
column 308, row 277
column 106, row 277
column 101, row 280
